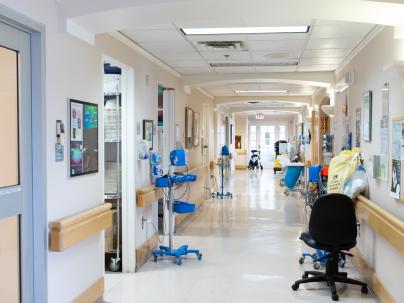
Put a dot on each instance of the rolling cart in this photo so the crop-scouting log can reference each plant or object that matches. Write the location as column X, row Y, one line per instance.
column 177, row 158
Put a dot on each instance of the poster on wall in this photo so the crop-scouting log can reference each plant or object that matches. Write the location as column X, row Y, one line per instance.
column 148, row 132
column 189, row 118
column 396, row 179
column 367, row 116
column 358, row 128
column 83, row 138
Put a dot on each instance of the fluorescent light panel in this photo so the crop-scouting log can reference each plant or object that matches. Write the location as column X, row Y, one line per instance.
column 260, row 91
column 246, row 30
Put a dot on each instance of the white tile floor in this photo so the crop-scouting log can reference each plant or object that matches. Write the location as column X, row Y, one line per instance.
column 250, row 254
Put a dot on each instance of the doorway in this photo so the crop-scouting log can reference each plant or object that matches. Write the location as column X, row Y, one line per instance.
column 119, row 165
column 16, row 187
column 262, row 136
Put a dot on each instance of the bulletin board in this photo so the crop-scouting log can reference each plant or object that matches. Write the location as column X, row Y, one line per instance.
column 83, row 138
column 397, row 158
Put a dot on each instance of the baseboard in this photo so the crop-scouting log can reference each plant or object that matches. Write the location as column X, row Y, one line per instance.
column 371, row 278
column 92, row 294
column 143, row 252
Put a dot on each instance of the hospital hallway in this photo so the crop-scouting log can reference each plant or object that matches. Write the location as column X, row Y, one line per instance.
column 250, row 252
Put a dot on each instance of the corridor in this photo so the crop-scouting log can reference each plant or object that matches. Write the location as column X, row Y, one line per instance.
column 250, row 252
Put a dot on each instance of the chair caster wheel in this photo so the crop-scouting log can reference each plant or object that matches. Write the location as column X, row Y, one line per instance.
column 364, row 289
column 317, row 265
column 295, row 286
column 199, row 256
column 335, row 297
column 155, row 258
column 305, row 276
column 301, row 260
column 342, row 264
column 179, row 261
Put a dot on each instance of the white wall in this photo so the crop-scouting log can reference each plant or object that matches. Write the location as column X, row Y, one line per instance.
column 370, row 74
column 74, row 70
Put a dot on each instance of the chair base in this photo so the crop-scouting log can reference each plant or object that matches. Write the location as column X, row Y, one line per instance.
column 331, row 276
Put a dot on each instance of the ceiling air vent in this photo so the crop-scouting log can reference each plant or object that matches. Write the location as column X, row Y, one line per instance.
column 222, row 45
column 226, row 64
column 254, row 102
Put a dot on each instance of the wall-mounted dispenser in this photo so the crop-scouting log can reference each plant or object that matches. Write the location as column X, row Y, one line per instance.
column 60, row 140
column 155, row 165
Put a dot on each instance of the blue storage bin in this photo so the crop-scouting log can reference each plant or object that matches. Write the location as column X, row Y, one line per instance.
column 184, row 178
column 314, row 173
column 183, row 207
column 162, row 182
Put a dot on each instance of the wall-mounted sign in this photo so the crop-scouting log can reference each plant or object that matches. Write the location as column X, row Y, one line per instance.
column 259, row 116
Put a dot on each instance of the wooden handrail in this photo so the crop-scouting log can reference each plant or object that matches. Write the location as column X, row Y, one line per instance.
column 148, row 195
column 382, row 222
column 71, row 230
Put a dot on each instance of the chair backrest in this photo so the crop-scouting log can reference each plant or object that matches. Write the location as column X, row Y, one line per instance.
column 333, row 220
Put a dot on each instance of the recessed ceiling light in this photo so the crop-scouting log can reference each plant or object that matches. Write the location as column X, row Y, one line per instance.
column 245, row 30
column 261, row 91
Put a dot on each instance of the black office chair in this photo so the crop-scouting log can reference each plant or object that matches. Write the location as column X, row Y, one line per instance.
column 332, row 228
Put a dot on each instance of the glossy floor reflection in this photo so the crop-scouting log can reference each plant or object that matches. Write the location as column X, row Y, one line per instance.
column 250, row 254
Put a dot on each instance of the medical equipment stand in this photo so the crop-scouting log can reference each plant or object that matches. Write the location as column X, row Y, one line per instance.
column 222, row 194
column 175, row 206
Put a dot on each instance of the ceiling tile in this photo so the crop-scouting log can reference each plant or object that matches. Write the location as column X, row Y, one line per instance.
column 333, row 43
column 270, row 69
column 320, row 61
column 154, row 35
column 276, row 45
column 341, row 30
column 222, row 22
column 178, row 56
column 262, row 56
column 183, row 63
column 174, row 46
column 216, row 55
column 194, row 70
column 326, row 53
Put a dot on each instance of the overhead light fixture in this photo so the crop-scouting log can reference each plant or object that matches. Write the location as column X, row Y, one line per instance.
column 256, row 64
column 261, row 91
column 246, row 30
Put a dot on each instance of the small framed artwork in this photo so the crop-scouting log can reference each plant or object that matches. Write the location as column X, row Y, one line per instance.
column 148, row 132
column 196, row 129
column 367, row 116
column 189, row 119
column 238, row 141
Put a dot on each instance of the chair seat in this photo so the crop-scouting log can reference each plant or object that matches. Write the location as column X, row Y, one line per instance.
column 308, row 239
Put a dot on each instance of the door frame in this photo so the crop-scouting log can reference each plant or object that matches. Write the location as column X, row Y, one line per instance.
column 39, row 147
column 128, row 143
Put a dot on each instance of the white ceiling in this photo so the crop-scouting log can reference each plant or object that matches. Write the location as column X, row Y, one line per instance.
column 322, row 49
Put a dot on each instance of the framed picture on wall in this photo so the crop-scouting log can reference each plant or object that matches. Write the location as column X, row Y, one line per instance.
column 238, row 142
column 196, row 129
column 83, row 138
column 367, row 116
column 189, row 119
column 148, row 132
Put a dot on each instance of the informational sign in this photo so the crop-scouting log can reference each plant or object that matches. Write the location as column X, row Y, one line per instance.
column 83, row 138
